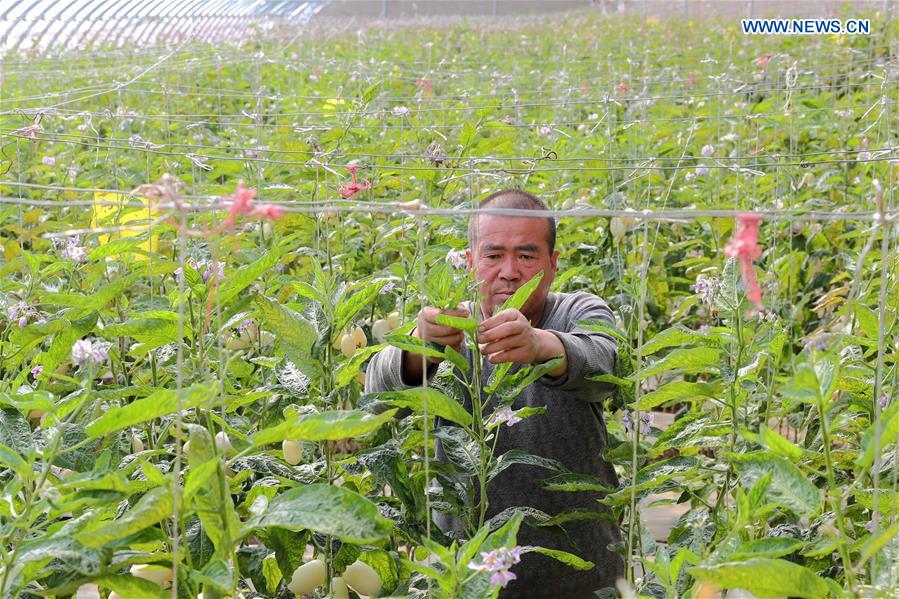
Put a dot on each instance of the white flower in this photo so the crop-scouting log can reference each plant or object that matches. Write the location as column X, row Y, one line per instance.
column 457, row 258
column 863, row 156
column 708, row 150
column 400, row 110
column 544, row 130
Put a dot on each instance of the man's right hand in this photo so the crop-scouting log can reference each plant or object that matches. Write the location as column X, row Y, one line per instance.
column 428, row 329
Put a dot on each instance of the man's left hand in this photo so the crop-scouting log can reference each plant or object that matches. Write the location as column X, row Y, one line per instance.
column 509, row 337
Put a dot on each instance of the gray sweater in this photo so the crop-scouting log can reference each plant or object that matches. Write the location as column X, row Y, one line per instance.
column 571, row 430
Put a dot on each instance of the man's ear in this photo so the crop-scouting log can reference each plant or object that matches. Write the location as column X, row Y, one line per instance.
column 470, row 259
column 553, row 260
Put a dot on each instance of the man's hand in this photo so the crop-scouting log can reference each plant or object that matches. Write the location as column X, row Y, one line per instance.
column 428, row 329
column 509, row 337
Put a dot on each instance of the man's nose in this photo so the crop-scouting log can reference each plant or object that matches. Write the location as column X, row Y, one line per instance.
column 509, row 270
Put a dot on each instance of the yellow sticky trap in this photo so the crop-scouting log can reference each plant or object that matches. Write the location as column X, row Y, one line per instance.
column 105, row 214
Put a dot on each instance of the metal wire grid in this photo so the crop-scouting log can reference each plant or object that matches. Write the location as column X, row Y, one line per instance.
column 881, row 219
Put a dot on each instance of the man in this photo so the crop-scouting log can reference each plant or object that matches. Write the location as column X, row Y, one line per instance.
column 505, row 253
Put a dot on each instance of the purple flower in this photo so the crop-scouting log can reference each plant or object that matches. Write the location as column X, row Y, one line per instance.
column 701, row 170
column 708, row 150
column 882, row 401
column 48, row 161
column 457, row 258
column 37, row 371
column 89, row 352
column 73, row 250
column 626, row 421
column 387, row 287
column 870, row 526
column 497, row 563
column 863, row 156
column 646, row 419
column 707, row 288
column 504, row 416
column 502, row 578
column 213, row 268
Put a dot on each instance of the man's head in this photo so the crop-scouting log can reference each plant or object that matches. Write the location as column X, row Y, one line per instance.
column 507, row 251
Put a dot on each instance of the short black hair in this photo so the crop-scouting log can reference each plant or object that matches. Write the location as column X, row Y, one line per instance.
column 517, row 199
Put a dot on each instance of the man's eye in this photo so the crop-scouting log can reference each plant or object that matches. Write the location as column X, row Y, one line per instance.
column 526, row 257
column 491, row 256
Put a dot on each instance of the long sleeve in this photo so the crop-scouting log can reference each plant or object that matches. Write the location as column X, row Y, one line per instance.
column 588, row 353
column 384, row 372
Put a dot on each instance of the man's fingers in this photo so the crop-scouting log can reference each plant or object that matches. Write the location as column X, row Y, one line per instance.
column 500, row 331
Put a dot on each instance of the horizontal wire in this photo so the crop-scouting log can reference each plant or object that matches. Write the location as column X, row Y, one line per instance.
column 137, row 146
column 552, row 102
column 417, row 208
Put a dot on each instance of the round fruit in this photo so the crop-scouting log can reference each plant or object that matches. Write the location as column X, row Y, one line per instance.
column 223, row 442
column 359, row 337
column 156, row 574
column 293, row 453
column 308, row 577
column 380, row 329
column 347, row 346
column 362, row 578
column 338, row 589
column 393, row 320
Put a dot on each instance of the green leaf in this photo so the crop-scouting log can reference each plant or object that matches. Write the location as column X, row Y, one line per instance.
column 778, row 444
column 601, row 326
column 296, row 336
column 672, row 337
column 569, row 559
column 882, row 433
column 575, row 482
column 357, row 300
column 873, row 546
column 11, row 459
column 517, row 456
column 246, row 275
column 457, row 359
column 674, row 391
column 469, row 325
column 768, row 547
column 522, row 294
column 439, row 404
column 160, row 403
column 764, row 577
column 347, row 371
column 38, row 331
column 154, row 506
column 152, row 332
column 271, row 572
column 324, row 426
column 84, row 304
column 414, row 345
column 126, row 585
column 788, row 486
column 327, row 510
column 15, row 431
column 686, row 360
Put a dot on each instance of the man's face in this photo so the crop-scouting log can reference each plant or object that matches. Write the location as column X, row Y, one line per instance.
column 509, row 252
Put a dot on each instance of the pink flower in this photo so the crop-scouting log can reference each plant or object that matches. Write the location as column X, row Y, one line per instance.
column 242, row 199
column 268, row 211
column 504, row 416
column 744, row 246
column 348, row 191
